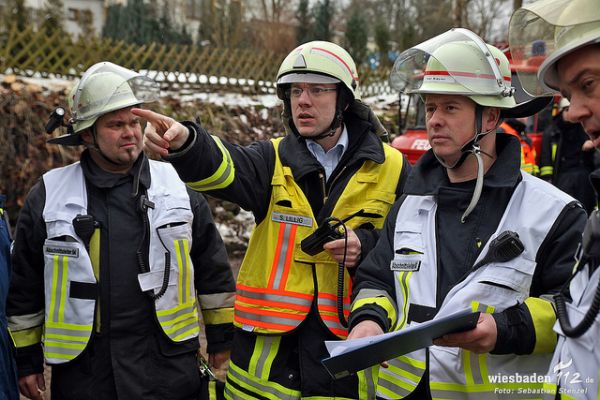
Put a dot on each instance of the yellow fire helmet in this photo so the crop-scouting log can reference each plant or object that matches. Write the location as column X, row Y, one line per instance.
column 542, row 33
column 103, row 88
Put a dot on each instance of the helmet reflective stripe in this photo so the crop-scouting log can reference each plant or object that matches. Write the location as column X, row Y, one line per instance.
column 307, row 78
column 542, row 33
column 457, row 62
column 321, row 58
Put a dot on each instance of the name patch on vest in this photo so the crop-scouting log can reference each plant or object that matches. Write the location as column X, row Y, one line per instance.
column 292, row 219
column 62, row 251
column 409, row 263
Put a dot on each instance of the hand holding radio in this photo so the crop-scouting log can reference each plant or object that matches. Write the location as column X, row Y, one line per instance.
column 331, row 229
column 353, row 249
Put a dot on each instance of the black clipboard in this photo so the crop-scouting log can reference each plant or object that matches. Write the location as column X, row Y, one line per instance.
column 398, row 343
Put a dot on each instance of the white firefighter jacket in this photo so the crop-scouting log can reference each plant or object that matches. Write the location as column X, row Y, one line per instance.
column 456, row 373
column 575, row 368
column 68, row 268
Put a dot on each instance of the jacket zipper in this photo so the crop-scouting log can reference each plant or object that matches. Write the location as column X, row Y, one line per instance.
column 335, row 179
column 323, row 187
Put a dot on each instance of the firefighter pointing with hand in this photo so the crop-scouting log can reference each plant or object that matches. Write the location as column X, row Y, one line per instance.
column 571, row 29
column 330, row 164
column 444, row 247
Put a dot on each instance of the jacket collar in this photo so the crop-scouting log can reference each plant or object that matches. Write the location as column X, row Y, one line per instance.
column 428, row 175
column 103, row 179
column 363, row 144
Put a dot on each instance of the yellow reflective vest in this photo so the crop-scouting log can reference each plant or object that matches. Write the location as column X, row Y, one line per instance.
column 278, row 282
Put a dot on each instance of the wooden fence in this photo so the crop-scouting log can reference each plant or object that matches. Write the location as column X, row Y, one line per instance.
column 30, row 52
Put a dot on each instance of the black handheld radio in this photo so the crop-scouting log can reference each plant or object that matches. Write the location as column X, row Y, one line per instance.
column 330, row 229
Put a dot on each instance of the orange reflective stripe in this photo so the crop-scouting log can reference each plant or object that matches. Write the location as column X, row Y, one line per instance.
column 266, row 325
column 276, row 310
column 289, row 257
column 262, row 293
column 278, row 314
column 283, row 255
column 271, row 303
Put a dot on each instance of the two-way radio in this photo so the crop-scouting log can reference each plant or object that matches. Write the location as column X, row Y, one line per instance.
column 589, row 250
column 332, row 229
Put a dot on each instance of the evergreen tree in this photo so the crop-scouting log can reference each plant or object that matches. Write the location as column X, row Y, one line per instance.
column 184, row 37
column 15, row 13
column 323, row 12
column 86, row 23
column 111, row 26
column 356, row 36
column 135, row 15
column 305, row 23
column 53, row 14
column 382, row 40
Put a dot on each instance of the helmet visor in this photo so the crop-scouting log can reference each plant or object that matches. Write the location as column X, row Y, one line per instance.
column 107, row 87
column 538, row 32
column 455, row 62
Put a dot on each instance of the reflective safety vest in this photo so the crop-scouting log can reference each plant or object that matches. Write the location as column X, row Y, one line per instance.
column 455, row 373
column 70, row 284
column 528, row 153
column 575, row 369
column 275, row 286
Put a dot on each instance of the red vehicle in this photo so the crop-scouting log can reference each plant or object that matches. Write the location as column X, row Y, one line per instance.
column 413, row 140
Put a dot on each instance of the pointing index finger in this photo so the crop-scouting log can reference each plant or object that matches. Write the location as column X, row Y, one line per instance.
column 148, row 115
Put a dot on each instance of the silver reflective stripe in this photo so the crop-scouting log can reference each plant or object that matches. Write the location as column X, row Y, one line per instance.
column 26, row 321
column 282, row 255
column 412, row 369
column 371, row 293
column 191, row 324
column 270, row 319
column 370, row 382
column 66, row 332
column 216, row 300
column 49, row 348
column 274, row 297
column 392, row 387
column 226, row 174
column 165, row 319
column 183, row 268
column 260, row 389
column 268, row 343
column 475, row 367
column 332, row 303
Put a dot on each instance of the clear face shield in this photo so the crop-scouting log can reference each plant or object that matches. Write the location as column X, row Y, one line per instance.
column 456, row 62
column 107, row 87
column 542, row 32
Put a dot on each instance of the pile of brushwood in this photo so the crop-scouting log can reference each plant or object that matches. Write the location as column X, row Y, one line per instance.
column 25, row 156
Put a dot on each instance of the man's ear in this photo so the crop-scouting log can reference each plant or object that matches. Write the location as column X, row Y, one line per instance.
column 491, row 118
column 86, row 136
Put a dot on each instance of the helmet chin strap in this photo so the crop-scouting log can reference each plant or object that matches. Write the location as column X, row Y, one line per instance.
column 472, row 147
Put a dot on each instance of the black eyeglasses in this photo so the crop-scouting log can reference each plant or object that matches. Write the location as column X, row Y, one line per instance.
column 313, row 91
